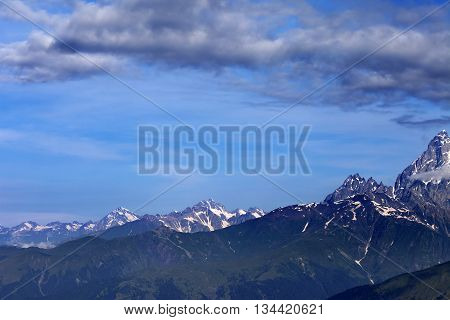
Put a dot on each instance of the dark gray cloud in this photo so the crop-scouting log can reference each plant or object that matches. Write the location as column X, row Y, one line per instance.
column 411, row 121
column 35, row 60
column 218, row 35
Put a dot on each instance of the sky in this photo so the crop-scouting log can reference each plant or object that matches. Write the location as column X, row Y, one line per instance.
column 68, row 123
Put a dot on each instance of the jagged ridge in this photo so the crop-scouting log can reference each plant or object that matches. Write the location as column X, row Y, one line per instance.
column 206, row 215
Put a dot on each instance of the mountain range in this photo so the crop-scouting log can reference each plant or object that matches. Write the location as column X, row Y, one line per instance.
column 362, row 234
column 206, row 215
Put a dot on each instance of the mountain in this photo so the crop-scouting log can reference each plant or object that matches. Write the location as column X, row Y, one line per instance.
column 118, row 217
column 434, row 284
column 354, row 185
column 31, row 234
column 423, row 187
column 425, row 184
column 298, row 252
column 204, row 216
column 207, row 216
column 363, row 234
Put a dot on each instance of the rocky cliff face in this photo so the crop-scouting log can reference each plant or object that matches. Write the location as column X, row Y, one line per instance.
column 355, row 184
column 423, row 187
column 425, row 184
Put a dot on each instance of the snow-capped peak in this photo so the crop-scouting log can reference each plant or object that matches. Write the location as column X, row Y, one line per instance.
column 352, row 178
column 443, row 135
column 255, row 212
column 436, row 155
column 117, row 217
column 425, row 184
column 239, row 212
column 209, row 204
column 25, row 226
column 207, row 207
column 355, row 184
column 207, row 215
column 432, row 166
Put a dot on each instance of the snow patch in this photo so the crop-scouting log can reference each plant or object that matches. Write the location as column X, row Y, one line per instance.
column 306, row 226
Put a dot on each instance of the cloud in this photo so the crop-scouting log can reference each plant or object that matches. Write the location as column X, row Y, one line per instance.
column 437, row 175
column 218, row 35
column 59, row 145
column 410, row 121
column 34, row 60
column 38, row 16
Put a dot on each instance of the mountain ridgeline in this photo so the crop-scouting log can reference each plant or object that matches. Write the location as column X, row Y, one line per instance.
column 204, row 216
column 362, row 234
column 433, row 285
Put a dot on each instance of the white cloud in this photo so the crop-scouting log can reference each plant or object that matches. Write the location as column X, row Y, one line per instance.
column 433, row 176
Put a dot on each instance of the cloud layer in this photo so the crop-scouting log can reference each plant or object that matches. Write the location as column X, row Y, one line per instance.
column 295, row 43
column 409, row 120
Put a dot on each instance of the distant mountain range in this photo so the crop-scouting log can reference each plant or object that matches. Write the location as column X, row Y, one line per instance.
column 31, row 234
column 362, row 234
column 204, row 216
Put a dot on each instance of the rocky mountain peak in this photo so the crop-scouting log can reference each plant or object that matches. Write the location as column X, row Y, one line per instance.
column 28, row 225
column 209, row 204
column 425, row 184
column 432, row 166
column 354, row 185
column 443, row 135
column 116, row 217
column 207, row 215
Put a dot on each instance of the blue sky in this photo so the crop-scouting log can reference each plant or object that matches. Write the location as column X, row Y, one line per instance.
column 68, row 130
